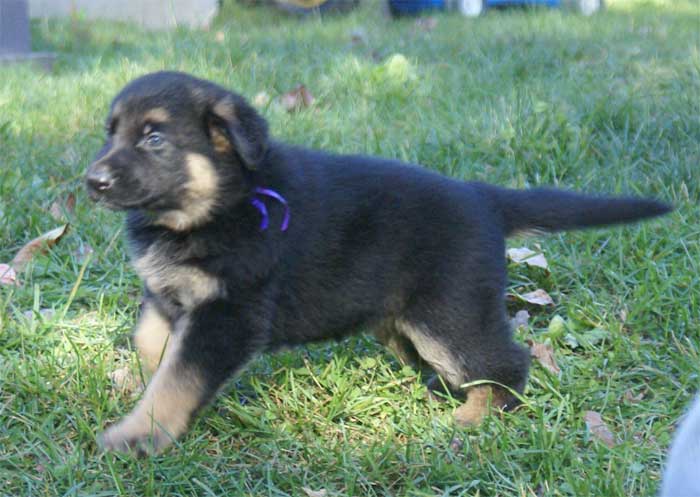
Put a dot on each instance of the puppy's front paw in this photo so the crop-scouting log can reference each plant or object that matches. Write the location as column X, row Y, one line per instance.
column 128, row 437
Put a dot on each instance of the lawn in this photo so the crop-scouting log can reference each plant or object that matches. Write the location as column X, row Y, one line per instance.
column 517, row 98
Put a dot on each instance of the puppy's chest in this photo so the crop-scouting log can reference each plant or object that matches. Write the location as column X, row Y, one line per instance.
column 167, row 275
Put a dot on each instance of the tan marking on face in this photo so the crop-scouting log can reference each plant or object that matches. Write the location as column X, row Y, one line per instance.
column 157, row 115
column 199, row 198
column 172, row 397
column 481, row 401
column 440, row 358
column 191, row 285
column 151, row 337
column 203, row 178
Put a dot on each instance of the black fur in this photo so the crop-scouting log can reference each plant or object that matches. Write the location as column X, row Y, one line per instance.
column 372, row 244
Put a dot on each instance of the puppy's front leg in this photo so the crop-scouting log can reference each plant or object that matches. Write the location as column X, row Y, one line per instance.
column 205, row 348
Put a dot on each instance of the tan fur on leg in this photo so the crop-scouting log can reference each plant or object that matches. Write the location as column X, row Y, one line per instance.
column 164, row 412
column 151, row 337
column 481, row 401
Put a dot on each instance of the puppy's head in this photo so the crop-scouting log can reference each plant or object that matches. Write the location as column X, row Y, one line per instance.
column 174, row 144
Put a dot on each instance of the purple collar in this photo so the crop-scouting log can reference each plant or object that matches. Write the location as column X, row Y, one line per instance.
column 260, row 205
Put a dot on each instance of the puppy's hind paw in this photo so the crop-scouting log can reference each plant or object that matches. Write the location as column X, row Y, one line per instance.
column 481, row 401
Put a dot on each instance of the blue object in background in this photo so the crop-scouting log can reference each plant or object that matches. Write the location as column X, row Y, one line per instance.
column 498, row 3
column 409, row 7
column 472, row 8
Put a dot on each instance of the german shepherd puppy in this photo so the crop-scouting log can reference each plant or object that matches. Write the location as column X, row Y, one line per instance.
column 245, row 244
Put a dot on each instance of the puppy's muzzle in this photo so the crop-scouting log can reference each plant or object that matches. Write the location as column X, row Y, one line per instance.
column 99, row 180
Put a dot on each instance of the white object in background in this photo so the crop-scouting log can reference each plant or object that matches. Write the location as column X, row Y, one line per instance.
column 470, row 8
column 589, row 7
column 151, row 14
column 682, row 475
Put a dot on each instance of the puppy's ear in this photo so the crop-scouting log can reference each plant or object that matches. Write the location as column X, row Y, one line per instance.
column 236, row 127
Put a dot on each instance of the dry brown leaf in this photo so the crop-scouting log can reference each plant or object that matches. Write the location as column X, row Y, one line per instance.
column 56, row 211
column 538, row 297
column 70, row 202
column 296, row 99
column 124, row 380
column 40, row 244
column 521, row 319
column 524, row 255
column 628, row 396
column 315, row 493
column 545, row 355
column 8, row 276
column 598, row 428
column 59, row 208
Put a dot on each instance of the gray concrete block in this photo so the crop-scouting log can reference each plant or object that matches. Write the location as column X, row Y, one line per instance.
column 14, row 27
column 42, row 60
column 151, row 14
column 15, row 36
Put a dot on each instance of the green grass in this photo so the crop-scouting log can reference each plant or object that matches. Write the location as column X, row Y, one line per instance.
column 518, row 98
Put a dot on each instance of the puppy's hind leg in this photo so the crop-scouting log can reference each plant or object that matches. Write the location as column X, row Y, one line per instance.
column 462, row 355
column 388, row 335
column 505, row 364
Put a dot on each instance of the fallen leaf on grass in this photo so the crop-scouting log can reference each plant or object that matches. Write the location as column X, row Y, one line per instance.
column 124, row 380
column 314, row 493
column 39, row 245
column 296, row 99
column 629, row 397
column 59, row 208
column 545, row 355
column 521, row 319
column 8, row 276
column 598, row 428
column 538, row 297
column 524, row 255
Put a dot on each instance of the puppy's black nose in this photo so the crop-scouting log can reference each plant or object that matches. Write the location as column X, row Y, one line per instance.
column 99, row 179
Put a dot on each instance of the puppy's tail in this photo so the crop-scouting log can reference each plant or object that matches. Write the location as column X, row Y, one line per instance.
column 546, row 209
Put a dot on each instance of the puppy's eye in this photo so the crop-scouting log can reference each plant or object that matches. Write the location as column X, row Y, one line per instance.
column 154, row 140
column 111, row 127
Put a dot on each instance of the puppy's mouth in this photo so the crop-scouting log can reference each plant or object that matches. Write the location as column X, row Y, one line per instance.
column 149, row 202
